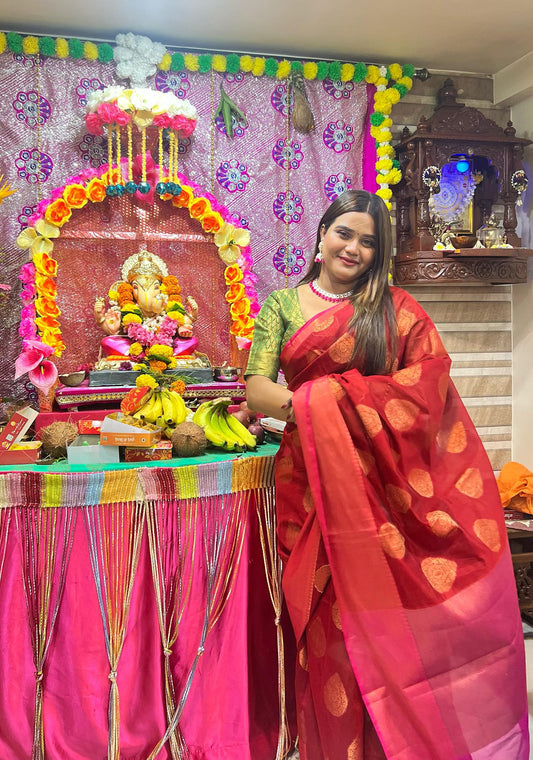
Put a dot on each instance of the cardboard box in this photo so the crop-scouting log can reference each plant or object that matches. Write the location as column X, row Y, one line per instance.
column 86, row 449
column 89, row 427
column 159, row 451
column 116, row 432
column 12, row 449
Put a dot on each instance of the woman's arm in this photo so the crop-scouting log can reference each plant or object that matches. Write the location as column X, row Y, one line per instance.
column 267, row 397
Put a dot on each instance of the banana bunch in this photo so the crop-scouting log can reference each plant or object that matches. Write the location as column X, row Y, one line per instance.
column 164, row 408
column 221, row 428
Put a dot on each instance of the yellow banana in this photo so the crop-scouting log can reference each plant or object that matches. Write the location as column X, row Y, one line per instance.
column 146, row 409
column 168, row 408
column 180, row 410
column 241, row 431
column 212, row 431
column 233, row 440
column 156, row 410
column 200, row 414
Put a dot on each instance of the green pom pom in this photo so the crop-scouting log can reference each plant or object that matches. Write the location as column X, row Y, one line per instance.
column 47, row 46
column 395, row 164
column 177, row 62
column 376, row 119
column 322, row 69
column 204, row 63
column 75, row 48
column 105, row 52
column 335, row 71
column 408, row 70
column 14, row 42
column 387, row 74
column 297, row 67
column 233, row 63
column 360, row 72
column 402, row 89
column 271, row 67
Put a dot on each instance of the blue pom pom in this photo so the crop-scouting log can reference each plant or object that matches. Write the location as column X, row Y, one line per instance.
column 131, row 187
column 110, row 191
column 119, row 190
column 171, row 186
column 161, row 188
column 177, row 190
column 143, row 187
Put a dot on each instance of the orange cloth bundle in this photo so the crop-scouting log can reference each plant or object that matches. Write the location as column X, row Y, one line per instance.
column 515, row 484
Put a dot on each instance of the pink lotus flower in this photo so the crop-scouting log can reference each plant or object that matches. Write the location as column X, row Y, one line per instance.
column 33, row 360
column 243, row 343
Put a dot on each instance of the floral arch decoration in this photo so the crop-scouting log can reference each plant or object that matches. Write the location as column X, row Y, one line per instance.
column 40, row 325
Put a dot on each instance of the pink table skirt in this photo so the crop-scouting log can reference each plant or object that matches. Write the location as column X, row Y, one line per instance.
column 232, row 707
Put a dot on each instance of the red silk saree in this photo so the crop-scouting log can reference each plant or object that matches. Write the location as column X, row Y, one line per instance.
column 398, row 577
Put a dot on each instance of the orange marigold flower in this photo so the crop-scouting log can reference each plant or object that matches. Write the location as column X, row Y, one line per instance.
column 75, row 196
column 178, row 386
column 95, row 190
column 198, row 207
column 183, row 199
column 240, row 308
column 235, row 292
column 175, row 296
column 241, row 326
column 212, row 222
column 232, row 273
column 58, row 212
column 125, row 287
column 47, row 308
column 45, row 285
column 170, row 282
column 157, row 366
column 48, row 323
column 45, row 264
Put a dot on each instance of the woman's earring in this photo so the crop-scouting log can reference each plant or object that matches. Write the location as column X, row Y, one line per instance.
column 320, row 256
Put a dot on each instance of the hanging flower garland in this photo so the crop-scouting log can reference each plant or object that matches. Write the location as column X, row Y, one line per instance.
column 40, row 312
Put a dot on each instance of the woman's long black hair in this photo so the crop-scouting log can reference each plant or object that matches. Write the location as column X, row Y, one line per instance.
column 374, row 321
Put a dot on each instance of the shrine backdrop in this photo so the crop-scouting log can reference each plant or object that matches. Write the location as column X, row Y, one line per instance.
column 275, row 180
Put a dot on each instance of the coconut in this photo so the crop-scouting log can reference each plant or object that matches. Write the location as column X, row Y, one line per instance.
column 188, row 440
column 56, row 437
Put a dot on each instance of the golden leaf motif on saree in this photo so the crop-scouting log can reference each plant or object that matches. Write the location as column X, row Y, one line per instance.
column 355, row 750
column 409, row 375
column 440, row 572
column 316, row 638
column 401, row 414
column 471, row 483
column 336, row 616
column 405, row 320
column 487, row 531
column 440, row 522
column 322, row 576
column 285, row 469
column 302, row 657
column 392, row 541
column 335, row 697
column 336, row 389
column 341, row 350
column 366, row 460
column 370, row 419
column 443, row 384
column 322, row 323
column 308, row 499
column 454, row 440
column 421, row 481
column 399, row 499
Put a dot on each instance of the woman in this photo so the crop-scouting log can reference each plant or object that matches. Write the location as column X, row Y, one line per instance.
column 397, row 572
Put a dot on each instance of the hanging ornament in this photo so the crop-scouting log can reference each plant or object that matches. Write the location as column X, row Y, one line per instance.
column 519, row 183
column 431, row 177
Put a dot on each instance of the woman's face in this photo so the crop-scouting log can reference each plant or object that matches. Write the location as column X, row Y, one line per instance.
column 348, row 247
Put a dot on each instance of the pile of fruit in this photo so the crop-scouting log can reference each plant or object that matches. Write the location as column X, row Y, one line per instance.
column 160, row 406
column 225, row 430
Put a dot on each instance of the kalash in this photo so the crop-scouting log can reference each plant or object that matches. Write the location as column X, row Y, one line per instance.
column 147, row 324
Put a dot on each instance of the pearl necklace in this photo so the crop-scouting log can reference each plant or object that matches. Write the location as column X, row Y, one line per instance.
column 326, row 296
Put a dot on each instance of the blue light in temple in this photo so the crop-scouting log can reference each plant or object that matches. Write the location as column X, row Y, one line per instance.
column 462, row 166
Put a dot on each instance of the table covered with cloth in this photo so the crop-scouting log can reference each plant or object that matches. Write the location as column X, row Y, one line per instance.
column 136, row 601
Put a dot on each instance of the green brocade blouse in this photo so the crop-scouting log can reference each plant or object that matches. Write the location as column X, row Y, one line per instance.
column 280, row 317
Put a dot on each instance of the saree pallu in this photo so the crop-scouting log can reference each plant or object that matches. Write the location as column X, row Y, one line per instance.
column 391, row 526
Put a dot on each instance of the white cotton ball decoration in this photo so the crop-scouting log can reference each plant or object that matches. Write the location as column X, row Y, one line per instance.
column 137, row 57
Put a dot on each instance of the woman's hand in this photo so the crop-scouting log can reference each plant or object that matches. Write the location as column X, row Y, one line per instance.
column 290, row 411
column 267, row 397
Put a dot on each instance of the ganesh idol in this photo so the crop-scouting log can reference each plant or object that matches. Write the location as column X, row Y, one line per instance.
column 146, row 309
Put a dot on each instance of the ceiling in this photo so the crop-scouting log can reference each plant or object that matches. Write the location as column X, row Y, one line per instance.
column 455, row 35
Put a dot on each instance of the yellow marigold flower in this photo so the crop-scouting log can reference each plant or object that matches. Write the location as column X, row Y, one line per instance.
column 176, row 316
column 347, row 72
column 139, row 367
column 395, row 71
column 284, row 68
column 162, row 350
column 191, row 62
column 135, row 349
column 3, row 42
column 173, row 363
column 90, row 51
column 384, row 192
column 393, row 95
column 30, row 45
column 113, row 295
column 130, row 306
column 129, row 318
column 144, row 380
column 384, row 163
column 218, row 62
column 406, row 81
column 372, row 74
column 61, row 47
column 246, row 63
column 165, row 62
column 310, row 70
column 386, row 123
column 384, row 106
column 386, row 150
column 258, row 67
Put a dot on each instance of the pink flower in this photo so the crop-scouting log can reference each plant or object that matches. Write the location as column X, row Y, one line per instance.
column 33, row 360
column 28, row 294
column 93, row 123
column 27, row 273
column 28, row 312
column 162, row 120
column 57, row 192
column 27, row 329
column 243, row 343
